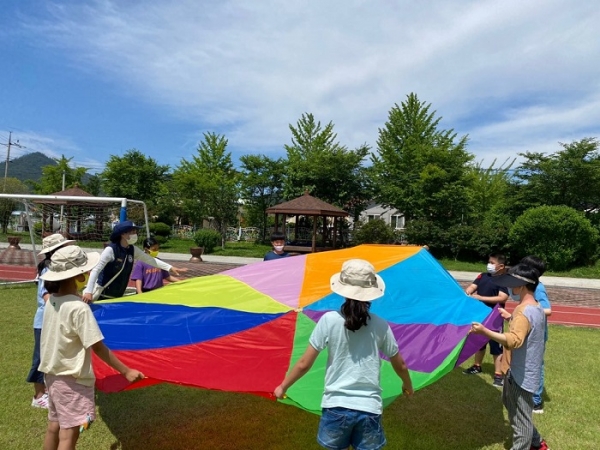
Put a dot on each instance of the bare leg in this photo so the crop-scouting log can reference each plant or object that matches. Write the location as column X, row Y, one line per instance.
column 51, row 438
column 39, row 389
column 68, row 438
column 497, row 363
column 479, row 357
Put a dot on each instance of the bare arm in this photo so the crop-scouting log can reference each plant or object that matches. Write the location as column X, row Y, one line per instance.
column 513, row 338
column 109, row 358
column 500, row 298
column 399, row 366
column 172, row 279
column 478, row 328
column 300, row 369
column 138, row 286
column 470, row 289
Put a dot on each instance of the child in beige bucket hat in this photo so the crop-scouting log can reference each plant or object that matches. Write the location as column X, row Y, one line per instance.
column 354, row 338
column 69, row 334
column 49, row 245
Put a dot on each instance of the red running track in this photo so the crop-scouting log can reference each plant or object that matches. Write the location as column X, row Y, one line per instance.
column 582, row 316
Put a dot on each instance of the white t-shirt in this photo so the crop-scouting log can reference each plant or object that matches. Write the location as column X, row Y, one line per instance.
column 68, row 332
column 352, row 379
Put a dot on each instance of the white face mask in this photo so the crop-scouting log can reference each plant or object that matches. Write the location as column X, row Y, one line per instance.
column 491, row 268
column 132, row 239
column 278, row 248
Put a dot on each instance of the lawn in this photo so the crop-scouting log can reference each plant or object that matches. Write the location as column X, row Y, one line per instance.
column 457, row 413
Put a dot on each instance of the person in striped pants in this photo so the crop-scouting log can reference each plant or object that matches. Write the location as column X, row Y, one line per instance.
column 523, row 356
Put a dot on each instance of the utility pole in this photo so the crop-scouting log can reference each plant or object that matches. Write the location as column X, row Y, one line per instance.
column 8, row 145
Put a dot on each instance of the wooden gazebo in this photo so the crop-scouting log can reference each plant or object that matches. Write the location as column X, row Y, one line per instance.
column 309, row 206
column 73, row 214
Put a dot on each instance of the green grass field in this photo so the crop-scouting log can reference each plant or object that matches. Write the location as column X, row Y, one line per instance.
column 457, row 413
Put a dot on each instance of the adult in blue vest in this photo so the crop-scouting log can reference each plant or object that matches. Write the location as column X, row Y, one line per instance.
column 116, row 263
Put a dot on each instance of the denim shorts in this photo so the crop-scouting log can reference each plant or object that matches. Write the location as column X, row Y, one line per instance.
column 341, row 427
column 35, row 376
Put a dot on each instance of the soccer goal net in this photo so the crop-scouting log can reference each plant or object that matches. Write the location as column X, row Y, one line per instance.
column 27, row 219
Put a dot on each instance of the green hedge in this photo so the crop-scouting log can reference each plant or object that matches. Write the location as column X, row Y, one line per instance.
column 559, row 235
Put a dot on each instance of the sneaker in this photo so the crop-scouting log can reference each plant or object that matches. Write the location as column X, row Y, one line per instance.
column 498, row 381
column 41, row 402
column 473, row 370
column 542, row 446
column 538, row 409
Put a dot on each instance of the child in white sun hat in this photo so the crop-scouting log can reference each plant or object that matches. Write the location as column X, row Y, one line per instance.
column 352, row 403
column 49, row 245
column 69, row 333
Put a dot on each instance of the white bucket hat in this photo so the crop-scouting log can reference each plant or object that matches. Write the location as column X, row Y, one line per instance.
column 68, row 262
column 358, row 281
column 52, row 242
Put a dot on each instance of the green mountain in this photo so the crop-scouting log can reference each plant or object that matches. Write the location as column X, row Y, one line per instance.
column 27, row 167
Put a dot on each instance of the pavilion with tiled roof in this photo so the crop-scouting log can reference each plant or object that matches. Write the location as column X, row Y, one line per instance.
column 309, row 206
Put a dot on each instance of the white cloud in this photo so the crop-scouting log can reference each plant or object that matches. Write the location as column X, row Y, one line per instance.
column 513, row 75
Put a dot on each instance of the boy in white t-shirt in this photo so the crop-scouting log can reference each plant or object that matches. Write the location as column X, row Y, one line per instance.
column 69, row 333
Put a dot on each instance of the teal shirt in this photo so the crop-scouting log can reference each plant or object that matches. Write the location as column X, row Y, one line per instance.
column 352, row 378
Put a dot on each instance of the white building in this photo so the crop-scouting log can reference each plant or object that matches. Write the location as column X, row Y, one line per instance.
column 391, row 216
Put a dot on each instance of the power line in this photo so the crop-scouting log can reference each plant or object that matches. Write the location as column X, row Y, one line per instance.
column 8, row 145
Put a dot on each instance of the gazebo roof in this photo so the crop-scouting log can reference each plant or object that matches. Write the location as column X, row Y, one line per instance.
column 75, row 191
column 307, row 205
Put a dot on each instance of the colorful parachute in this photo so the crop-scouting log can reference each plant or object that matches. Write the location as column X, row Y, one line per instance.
column 243, row 329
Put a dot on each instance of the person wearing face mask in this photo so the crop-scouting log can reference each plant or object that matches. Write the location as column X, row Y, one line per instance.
column 147, row 277
column 50, row 244
column 485, row 290
column 278, row 242
column 541, row 296
column 116, row 263
column 70, row 334
column 522, row 361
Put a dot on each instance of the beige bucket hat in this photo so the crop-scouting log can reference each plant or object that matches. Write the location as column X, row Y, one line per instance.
column 358, row 281
column 52, row 242
column 68, row 262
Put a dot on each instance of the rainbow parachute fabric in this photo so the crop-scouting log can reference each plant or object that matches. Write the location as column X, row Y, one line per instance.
column 243, row 329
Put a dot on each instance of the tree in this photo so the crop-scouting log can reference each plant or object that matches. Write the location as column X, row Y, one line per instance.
column 52, row 177
column 491, row 206
column 328, row 170
column 262, row 187
column 421, row 170
column 208, row 184
column 7, row 206
column 569, row 177
column 134, row 176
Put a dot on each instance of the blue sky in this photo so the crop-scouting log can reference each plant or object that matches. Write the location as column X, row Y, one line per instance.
column 90, row 79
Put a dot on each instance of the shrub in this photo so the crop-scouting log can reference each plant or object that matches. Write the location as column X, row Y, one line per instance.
column 208, row 239
column 374, row 232
column 560, row 235
column 37, row 228
column 160, row 231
